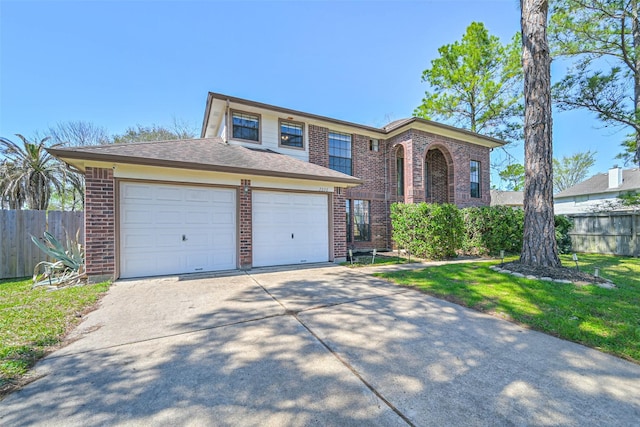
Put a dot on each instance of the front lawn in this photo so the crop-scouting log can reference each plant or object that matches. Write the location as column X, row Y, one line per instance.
column 33, row 322
column 606, row 319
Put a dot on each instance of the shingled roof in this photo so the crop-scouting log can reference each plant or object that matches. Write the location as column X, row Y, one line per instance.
column 599, row 184
column 206, row 154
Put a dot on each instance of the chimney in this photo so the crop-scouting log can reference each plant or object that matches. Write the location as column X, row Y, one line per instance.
column 615, row 177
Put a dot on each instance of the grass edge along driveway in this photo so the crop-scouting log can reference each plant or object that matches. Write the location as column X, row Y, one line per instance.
column 33, row 322
column 604, row 319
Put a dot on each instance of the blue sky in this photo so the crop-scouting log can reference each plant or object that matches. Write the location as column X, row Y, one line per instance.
column 121, row 63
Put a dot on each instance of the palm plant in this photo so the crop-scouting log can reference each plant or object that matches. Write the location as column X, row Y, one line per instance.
column 29, row 175
column 12, row 191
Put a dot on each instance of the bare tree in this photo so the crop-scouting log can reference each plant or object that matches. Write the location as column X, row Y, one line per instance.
column 77, row 133
column 539, row 247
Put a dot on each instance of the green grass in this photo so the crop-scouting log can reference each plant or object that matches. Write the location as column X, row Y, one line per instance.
column 33, row 321
column 605, row 319
column 362, row 260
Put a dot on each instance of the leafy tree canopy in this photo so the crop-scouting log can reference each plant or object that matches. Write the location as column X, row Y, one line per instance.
column 476, row 84
column 567, row 172
column 513, row 174
column 571, row 170
column 603, row 39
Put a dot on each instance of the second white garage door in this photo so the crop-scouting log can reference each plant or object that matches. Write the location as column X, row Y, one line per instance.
column 289, row 228
column 172, row 229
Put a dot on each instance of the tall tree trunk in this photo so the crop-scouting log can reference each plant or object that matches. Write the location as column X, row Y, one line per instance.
column 539, row 246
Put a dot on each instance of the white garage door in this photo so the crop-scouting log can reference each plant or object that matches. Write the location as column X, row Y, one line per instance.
column 172, row 229
column 290, row 228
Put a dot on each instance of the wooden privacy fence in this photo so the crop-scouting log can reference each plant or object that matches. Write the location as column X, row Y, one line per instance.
column 18, row 254
column 615, row 233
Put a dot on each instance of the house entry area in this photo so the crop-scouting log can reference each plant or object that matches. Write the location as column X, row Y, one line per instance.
column 175, row 229
column 436, row 177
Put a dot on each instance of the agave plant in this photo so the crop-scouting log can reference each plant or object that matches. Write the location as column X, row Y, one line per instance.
column 68, row 267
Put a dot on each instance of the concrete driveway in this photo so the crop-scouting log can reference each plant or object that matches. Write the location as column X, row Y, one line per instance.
column 326, row 346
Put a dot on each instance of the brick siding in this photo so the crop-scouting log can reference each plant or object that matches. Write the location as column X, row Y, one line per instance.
column 246, row 227
column 339, row 225
column 99, row 222
column 319, row 145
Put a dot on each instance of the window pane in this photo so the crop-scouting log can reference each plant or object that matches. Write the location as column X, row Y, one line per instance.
column 291, row 134
column 475, row 178
column 340, row 152
column 400, row 176
column 348, row 220
column 246, row 126
column 361, row 220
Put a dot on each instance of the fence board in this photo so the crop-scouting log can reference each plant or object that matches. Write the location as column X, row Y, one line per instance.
column 616, row 233
column 18, row 254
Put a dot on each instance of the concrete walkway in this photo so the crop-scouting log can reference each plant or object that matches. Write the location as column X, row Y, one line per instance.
column 326, row 346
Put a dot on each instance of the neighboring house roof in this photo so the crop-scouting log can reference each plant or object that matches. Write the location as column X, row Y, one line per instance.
column 206, row 154
column 599, row 184
column 219, row 101
column 507, row 198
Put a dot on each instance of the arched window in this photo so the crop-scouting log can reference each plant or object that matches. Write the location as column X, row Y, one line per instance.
column 400, row 171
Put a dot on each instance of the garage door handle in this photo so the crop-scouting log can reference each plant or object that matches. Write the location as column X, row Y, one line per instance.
column 292, row 235
column 184, row 238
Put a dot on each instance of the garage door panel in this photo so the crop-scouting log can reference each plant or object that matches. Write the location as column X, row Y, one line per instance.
column 169, row 194
column 289, row 228
column 165, row 216
column 136, row 192
column 152, row 227
column 221, row 217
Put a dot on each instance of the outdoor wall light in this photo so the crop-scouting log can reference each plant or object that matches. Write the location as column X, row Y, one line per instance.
column 246, row 188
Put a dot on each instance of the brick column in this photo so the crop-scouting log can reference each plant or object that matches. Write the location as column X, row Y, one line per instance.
column 339, row 225
column 246, row 227
column 99, row 224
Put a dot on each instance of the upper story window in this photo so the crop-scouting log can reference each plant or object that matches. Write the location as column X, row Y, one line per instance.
column 291, row 134
column 245, row 126
column 340, row 152
column 475, row 178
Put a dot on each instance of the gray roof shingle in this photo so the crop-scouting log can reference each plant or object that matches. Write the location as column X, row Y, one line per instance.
column 209, row 154
column 599, row 183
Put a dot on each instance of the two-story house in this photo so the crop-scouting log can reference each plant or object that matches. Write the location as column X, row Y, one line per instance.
column 266, row 185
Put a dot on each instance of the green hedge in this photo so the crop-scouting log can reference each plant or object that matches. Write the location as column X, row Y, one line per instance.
column 436, row 231
column 432, row 231
column 490, row 229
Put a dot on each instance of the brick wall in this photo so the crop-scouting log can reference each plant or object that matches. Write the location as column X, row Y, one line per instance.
column 319, row 145
column 457, row 155
column 100, row 232
column 246, row 227
column 369, row 166
column 339, row 225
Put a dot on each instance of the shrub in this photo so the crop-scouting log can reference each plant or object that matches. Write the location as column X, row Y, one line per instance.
column 432, row 231
column 490, row 229
column 563, row 226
